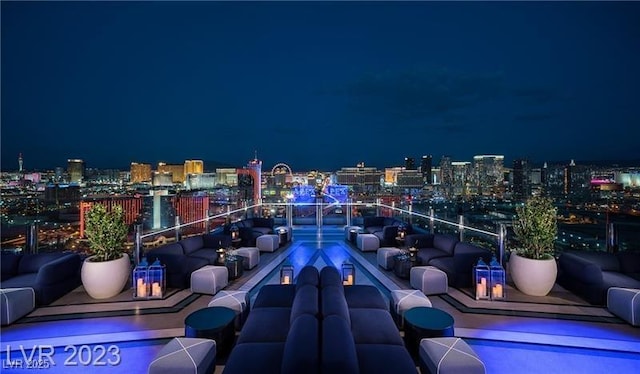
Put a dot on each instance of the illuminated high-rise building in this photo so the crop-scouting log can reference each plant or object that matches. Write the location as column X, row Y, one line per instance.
column 568, row 176
column 176, row 170
column 409, row 163
column 488, row 174
column 446, row 176
column 75, row 168
column 140, row 173
column 193, row 167
column 20, row 163
column 426, row 169
column 521, row 175
column 461, row 178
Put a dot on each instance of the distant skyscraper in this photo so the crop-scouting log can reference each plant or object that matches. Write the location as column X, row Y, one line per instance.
column 254, row 169
column 521, row 186
column 425, row 169
column 140, row 172
column 568, row 171
column 488, row 174
column 176, row 170
column 461, row 177
column 409, row 163
column 75, row 168
column 20, row 162
column 446, row 175
column 193, row 167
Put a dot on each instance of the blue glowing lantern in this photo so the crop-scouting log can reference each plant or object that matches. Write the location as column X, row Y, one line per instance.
column 141, row 280
column 497, row 280
column 348, row 274
column 157, row 283
column 482, row 280
column 286, row 274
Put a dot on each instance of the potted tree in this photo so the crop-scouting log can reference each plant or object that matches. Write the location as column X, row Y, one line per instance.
column 105, row 273
column 532, row 264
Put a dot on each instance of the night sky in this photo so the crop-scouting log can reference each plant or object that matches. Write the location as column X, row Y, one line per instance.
column 318, row 85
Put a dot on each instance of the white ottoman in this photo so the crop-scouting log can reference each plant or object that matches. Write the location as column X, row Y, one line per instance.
column 268, row 242
column 250, row 255
column 236, row 300
column 403, row 300
column 624, row 303
column 185, row 355
column 367, row 242
column 448, row 356
column 209, row 279
column 16, row 303
column 428, row 279
column 385, row 256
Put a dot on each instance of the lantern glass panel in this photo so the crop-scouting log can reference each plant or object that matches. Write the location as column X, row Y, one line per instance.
column 156, row 276
column 141, row 280
column 286, row 274
column 482, row 280
column 497, row 280
column 348, row 274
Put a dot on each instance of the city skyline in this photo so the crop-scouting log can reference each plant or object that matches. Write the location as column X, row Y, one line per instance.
column 318, row 85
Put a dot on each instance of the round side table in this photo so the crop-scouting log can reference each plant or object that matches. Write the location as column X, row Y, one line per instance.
column 215, row 323
column 425, row 322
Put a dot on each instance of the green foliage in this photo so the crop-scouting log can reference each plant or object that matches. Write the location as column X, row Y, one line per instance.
column 536, row 228
column 106, row 232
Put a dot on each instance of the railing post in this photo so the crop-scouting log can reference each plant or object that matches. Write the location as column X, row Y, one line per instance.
column 378, row 207
column 178, row 229
column 319, row 212
column 207, row 224
column 410, row 212
column 502, row 237
column 137, row 248
column 289, row 213
column 348, row 212
column 461, row 227
column 31, row 242
column 431, row 221
column 612, row 242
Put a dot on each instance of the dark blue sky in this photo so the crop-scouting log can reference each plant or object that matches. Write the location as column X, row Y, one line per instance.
column 318, row 85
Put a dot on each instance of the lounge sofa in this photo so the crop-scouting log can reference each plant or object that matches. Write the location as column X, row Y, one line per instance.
column 385, row 228
column 357, row 333
column 591, row 274
column 281, row 333
column 51, row 275
column 187, row 255
column 448, row 254
column 250, row 229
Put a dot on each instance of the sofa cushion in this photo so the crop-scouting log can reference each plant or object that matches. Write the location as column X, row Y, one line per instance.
column 305, row 302
column 275, row 295
column 338, row 348
column 373, row 221
column 262, row 222
column 445, row 243
column 308, row 275
column 615, row 279
column 31, row 263
column 384, row 358
column 192, row 244
column 333, row 303
column 577, row 267
column 364, row 296
column 329, row 276
column 167, row 249
column 629, row 261
column 374, row 326
column 419, row 240
column 9, row 264
column 301, row 349
column 266, row 325
column 263, row 358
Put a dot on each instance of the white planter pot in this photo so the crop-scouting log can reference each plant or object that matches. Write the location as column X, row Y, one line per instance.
column 533, row 277
column 103, row 280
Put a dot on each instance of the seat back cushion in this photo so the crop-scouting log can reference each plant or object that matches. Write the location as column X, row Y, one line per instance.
column 31, row 263
column 9, row 263
column 192, row 244
column 330, row 276
column 305, row 302
column 308, row 275
column 302, row 347
column 338, row 347
column 445, row 242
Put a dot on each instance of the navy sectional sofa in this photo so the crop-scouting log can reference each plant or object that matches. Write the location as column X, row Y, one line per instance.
column 187, row 255
column 448, row 254
column 319, row 326
column 385, row 228
column 591, row 274
column 51, row 275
